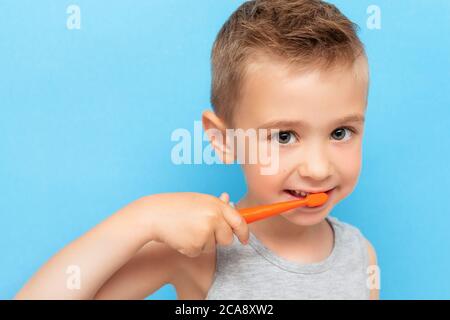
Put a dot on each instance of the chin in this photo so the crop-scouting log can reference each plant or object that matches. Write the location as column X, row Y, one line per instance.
column 304, row 218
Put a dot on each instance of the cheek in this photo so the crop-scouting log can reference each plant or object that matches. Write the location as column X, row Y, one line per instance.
column 348, row 165
column 262, row 186
column 265, row 178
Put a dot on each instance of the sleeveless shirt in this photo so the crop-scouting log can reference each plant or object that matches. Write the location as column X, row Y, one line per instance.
column 253, row 271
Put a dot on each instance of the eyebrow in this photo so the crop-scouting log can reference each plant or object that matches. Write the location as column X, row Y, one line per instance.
column 356, row 118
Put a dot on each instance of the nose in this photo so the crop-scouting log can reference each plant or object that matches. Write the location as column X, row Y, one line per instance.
column 315, row 163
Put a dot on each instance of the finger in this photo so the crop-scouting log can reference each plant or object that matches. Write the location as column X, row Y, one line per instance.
column 237, row 223
column 225, row 197
column 223, row 233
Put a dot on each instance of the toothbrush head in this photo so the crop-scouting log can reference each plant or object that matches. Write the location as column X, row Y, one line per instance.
column 316, row 199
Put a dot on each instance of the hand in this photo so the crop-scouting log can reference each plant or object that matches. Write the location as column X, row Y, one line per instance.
column 192, row 223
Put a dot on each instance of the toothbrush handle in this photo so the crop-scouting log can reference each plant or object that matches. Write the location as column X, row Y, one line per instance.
column 264, row 211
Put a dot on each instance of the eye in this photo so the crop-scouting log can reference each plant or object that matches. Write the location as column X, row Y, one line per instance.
column 284, row 137
column 340, row 134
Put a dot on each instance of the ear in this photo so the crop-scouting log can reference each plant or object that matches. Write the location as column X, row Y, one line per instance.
column 215, row 128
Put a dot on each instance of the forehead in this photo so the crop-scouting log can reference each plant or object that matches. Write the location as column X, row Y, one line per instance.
column 274, row 91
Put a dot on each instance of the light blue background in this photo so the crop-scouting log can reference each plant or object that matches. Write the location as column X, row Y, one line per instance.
column 86, row 117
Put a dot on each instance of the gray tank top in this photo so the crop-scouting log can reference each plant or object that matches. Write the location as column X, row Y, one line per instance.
column 253, row 271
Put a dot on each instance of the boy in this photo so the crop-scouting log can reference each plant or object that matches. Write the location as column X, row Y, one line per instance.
column 295, row 66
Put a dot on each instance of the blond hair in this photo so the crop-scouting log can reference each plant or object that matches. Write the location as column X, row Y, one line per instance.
column 302, row 33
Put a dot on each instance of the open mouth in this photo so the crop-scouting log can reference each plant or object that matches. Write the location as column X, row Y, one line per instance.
column 294, row 194
column 301, row 194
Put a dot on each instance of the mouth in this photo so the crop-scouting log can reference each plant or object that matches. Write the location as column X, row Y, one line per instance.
column 302, row 194
column 295, row 194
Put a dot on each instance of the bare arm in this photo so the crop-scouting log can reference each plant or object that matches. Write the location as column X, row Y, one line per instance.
column 98, row 254
column 137, row 250
column 151, row 268
column 155, row 265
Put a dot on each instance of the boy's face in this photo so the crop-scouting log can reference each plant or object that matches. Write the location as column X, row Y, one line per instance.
column 318, row 149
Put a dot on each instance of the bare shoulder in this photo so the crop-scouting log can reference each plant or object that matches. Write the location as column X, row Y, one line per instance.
column 374, row 272
column 372, row 253
column 194, row 276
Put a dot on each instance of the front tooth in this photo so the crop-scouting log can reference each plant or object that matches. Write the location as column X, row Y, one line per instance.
column 300, row 193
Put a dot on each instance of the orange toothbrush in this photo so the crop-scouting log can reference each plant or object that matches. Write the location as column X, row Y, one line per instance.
column 260, row 212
